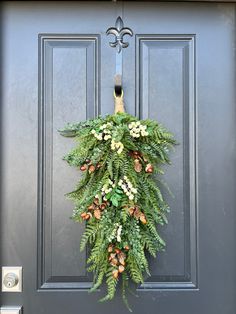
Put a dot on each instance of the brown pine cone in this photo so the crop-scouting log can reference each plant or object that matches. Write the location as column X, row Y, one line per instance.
column 115, row 273
column 121, row 255
column 114, row 262
column 143, row 219
column 137, row 165
column 90, row 207
column 97, row 213
column 137, row 213
column 121, row 268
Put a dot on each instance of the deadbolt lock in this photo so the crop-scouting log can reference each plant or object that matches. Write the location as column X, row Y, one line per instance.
column 12, row 279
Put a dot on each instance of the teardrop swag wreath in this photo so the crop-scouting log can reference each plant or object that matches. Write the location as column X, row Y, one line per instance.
column 118, row 196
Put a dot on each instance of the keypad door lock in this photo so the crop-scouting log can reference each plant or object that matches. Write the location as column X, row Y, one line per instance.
column 11, row 279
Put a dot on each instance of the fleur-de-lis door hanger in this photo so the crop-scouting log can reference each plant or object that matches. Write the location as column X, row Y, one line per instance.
column 119, row 31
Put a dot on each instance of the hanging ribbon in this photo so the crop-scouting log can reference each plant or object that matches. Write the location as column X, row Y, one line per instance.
column 119, row 102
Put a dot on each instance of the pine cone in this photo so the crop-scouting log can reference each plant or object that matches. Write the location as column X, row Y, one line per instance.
column 137, row 165
column 114, row 262
column 121, row 268
column 91, row 207
column 115, row 273
column 97, row 213
column 112, row 255
column 137, row 213
column 143, row 219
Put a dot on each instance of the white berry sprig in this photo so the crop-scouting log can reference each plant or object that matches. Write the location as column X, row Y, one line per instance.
column 136, row 129
column 104, row 132
column 127, row 187
column 117, row 146
column 107, row 188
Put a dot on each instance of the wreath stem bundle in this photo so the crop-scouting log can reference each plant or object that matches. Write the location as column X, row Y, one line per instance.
column 118, row 197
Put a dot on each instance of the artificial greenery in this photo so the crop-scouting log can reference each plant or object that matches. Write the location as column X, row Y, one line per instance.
column 118, row 197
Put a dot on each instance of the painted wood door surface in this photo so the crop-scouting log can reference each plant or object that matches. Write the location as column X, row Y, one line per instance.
column 57, row 67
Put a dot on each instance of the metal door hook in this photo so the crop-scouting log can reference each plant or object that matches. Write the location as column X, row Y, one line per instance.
column 119, row 31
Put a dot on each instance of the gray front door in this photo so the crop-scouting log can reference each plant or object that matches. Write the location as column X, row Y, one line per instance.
column 57, row 67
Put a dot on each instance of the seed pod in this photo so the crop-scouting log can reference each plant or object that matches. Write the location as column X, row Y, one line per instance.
column 91, row 207
column 121, row 268
column 126, row 247
column 137, row 165
column 115, row 273
column 83, row 215
column 103, row 206
column 83, row 167
column 87, row 216
column 117, row 250
column 91, row 168
column 149, row 168
column 97, row 214
column 98, row 165
column 87, row 161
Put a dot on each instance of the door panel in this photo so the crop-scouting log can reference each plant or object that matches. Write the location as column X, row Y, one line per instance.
column 165, row 89
column 57, row 66
column 69, row 90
